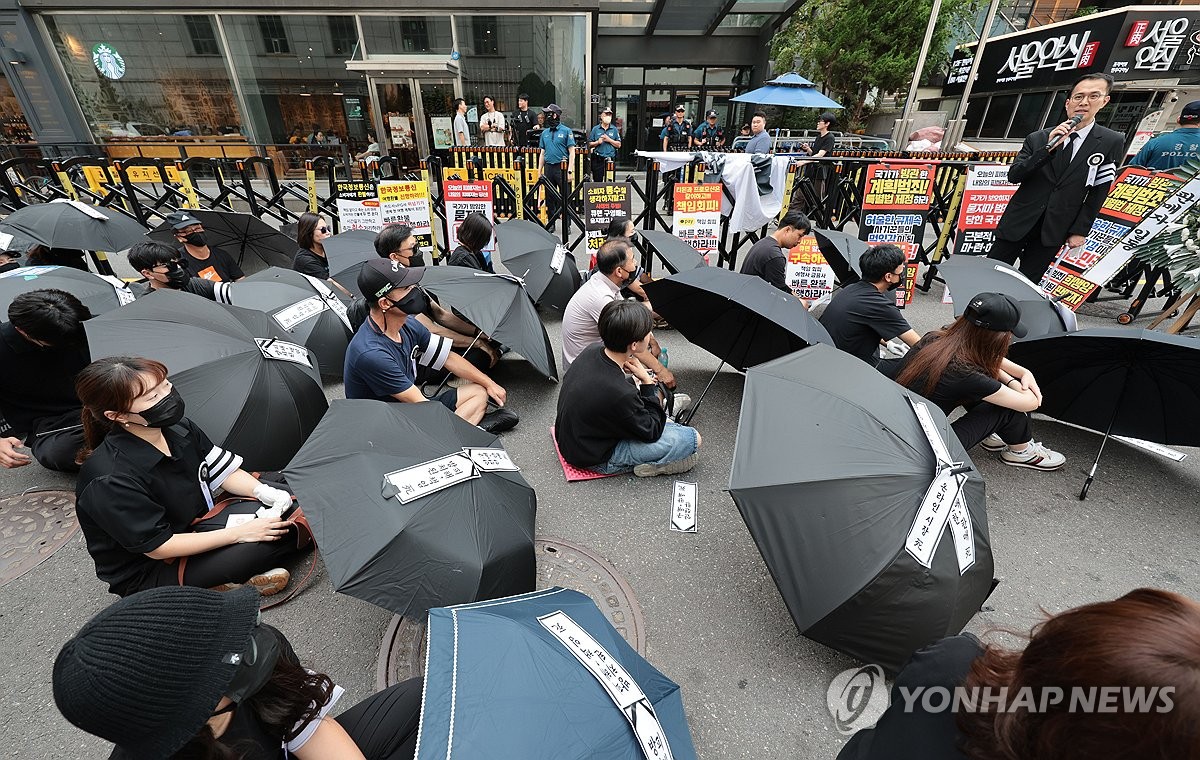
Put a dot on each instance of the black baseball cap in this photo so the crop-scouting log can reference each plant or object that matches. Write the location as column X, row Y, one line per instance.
column 378, row 277
column 679, row 107
column 1190, row 112
column 606, row 109
column 996, row 311
column 711, row 114
column 180, row 219
column 552, row 108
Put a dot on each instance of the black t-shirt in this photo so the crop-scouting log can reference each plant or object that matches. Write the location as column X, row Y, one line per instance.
column 219, row 266
column 36, row 383
column 197, row 286
column 918, row 734
column 465, row 257
column 768, row 261
column 131, row 499
column 522, row 122
column 859, row 316
column 598, row 406
column 822, row 143
column 960, row 384
column 311, row 264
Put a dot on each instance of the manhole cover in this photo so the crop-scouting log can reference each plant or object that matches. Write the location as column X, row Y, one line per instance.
column 32, row 527
column 559, row 563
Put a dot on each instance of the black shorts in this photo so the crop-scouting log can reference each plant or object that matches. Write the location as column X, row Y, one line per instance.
column 448, row 398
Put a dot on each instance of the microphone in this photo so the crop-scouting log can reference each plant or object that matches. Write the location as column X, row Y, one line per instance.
column 1074, row 123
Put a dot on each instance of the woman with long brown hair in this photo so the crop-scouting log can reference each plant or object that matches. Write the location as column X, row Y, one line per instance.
column 149, row 474
column 965, row 365
column 311, row 231
column 1118, row 680
column 190, row 674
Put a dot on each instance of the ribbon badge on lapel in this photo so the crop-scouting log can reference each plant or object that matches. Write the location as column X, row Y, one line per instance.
column 1100, row 173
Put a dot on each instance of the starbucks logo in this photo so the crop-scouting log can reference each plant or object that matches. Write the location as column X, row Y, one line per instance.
column 108, row 61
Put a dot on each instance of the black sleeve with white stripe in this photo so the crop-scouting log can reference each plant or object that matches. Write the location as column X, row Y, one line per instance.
column 221, row 464
column 436, row 352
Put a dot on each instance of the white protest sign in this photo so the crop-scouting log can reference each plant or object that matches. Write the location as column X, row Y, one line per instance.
column 930, row 430
column 331, row 300
column 273, row 348
column 621, row 688
column 683, row 507
column 942, row 505
column 124, row 294
column 290, row 316
column 559, row 258
column 1183, row 199
column 86, row 208
column 423, row 479
column 492, row 460
column 1156, row 448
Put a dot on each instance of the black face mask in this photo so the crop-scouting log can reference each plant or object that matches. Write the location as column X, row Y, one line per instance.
column 177, row 276
column 417, row 259
column 167, row 412
column 896, row 284
column 416, row 302
column 197, row 239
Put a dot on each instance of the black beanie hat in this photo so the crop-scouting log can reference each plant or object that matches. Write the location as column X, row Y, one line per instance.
column 147, row 672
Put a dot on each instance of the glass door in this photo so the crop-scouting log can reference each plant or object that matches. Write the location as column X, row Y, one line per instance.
column 627, row 113
column 437, row 113
column 657, row 111
column 399, row 136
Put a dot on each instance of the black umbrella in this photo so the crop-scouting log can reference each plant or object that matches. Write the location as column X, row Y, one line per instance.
column 739, row 317
column 262, row 408
column 838, row 481
column 675, row 254
column 967, row 276
column 318, row 321
column 500, row 306
column 1136, row 383
column 16, row 243
column 238, row 234
column 841, row 251
column 349, row 249
column 528, row 251
column 472, row 540
column 99, row 294
column 74, row 224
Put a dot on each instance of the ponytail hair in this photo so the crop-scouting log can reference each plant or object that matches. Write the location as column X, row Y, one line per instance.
column 110, row 385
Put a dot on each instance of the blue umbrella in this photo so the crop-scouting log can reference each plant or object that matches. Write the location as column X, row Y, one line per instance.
column 788, row 90
column 543, row 675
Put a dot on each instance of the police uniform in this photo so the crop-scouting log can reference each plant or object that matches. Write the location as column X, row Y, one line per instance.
column 556, row 144
column 677, row 134
column 603, row 152
column 710, row 134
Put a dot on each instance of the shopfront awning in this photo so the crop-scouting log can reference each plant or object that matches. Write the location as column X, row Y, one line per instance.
column 406, row 65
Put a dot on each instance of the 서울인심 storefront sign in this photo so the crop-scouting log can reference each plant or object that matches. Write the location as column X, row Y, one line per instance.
column 1128, row 45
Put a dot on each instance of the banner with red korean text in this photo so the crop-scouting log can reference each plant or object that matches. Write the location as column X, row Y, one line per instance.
column 698, row 216
column 1132, row 200
column 808, row 274
column 896, row 200
column 463, row 198
column 407, row 203
column 985, row 197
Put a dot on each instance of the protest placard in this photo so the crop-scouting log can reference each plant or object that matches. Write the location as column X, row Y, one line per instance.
column 808, row 274
column 407, row 203
column 358, row 206
column 602, row 202
column 697, row 219
column 985, row 197
column 463, row 198
column 896, row 200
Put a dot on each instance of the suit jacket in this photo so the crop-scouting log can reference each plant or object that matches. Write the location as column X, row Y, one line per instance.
column 1064, row 202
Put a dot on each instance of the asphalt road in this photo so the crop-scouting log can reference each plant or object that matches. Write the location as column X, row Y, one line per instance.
column 715, row 623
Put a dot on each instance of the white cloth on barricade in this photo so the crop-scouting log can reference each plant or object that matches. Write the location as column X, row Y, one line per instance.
column 750, row 210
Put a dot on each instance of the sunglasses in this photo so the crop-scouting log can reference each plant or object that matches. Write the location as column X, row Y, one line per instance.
column 322, row 229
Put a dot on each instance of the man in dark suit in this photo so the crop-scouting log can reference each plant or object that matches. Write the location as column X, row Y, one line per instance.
column 1064, row 175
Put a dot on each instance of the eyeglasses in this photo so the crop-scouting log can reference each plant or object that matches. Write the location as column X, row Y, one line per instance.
column 170, row 264
column 1092, row 96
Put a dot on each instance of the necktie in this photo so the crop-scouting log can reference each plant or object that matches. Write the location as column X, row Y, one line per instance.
column 1065, row 153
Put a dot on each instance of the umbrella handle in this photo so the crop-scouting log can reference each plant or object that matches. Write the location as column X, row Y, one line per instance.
column 446, row 379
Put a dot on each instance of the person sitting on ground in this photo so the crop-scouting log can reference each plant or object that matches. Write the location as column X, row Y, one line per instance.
column 42, row 347
column 9, row 260
column 44, row 255
column 138, row 495
column 1041, row 702
column 311, row 231
column 863, row 314
column 615, row 264
column 200, row 258
column 965, row 365
column 382, row 358
column 474, row 234
column 192, row 673
column 398, row 243
column 162, row 267
column 608, row 424
column 621, row 228
column 768, row 257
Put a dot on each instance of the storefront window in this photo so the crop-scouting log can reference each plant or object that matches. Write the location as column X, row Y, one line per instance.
column 544, row 56
column 1000, row 111
column 401, row 35
column 13, row 128
column 679, row 75
column 292, row 74
column 619, row 75
column 147, row 76
column 1028, row 117
column 974, row 115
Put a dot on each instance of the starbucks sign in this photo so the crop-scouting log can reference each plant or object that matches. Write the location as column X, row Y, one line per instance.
column 108, row 61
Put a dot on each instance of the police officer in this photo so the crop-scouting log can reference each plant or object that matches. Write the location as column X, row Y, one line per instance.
column 603, row 142
column 522, row 121
column 557, row 144
column 676, row 135
column 708, row 135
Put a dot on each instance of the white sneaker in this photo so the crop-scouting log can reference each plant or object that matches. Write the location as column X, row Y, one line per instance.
column 1035, row 456
column 994, row 443
column 683, row 402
